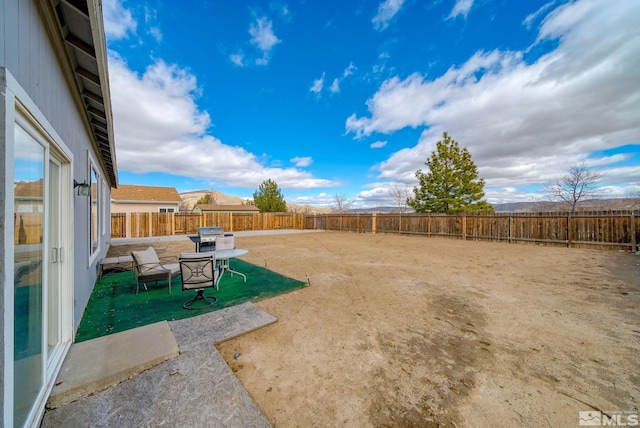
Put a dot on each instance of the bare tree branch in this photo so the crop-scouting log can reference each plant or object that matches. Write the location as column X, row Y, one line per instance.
column 400, row 195
column 341, row 203
column 578, row 184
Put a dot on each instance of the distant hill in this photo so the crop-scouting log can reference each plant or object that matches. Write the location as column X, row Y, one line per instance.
column 589, row 205
column 189, row 200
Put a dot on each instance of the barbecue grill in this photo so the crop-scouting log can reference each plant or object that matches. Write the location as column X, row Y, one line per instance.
column 208, row 237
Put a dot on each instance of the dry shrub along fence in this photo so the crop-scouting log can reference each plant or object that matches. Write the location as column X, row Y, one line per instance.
column 610, row 230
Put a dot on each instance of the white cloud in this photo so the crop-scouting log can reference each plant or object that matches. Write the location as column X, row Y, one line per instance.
column 349, row 70
column 386, row 11
column 316, row 88
column 335, row 86
column 118, row 21
column 302, row 162
column 524, row 122
column 263, row 37
column 156, row 33
column 319, row 200
column 237, row 59
column 381, row 194
column 461, row 7
column 159, row 128
column 378, row 144
column 528, row 21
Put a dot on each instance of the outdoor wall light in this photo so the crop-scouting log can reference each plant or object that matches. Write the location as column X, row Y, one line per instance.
column 83, row 188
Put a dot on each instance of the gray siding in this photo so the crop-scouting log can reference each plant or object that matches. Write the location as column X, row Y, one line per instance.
column 31, row 59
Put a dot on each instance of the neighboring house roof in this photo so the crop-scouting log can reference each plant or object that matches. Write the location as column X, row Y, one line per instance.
column 234, row 208
column 126, row 193
column 78, row 33
column 29, row 189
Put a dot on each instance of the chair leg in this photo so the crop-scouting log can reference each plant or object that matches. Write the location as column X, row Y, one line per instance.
column 200, row 295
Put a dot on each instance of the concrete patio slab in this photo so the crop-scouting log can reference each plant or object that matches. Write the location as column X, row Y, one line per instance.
column 216, row 327
column 197, row 388
column 99, row 363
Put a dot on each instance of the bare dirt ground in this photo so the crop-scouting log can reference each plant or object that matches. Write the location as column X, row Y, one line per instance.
column 417, row 331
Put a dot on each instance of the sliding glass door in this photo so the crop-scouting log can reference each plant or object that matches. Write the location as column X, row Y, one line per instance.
column 42, row 271
column 29, row 226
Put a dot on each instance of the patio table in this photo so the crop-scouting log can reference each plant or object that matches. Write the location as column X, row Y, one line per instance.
column 224, row 255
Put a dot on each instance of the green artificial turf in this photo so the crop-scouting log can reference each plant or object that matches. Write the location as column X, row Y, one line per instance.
column 114, row 305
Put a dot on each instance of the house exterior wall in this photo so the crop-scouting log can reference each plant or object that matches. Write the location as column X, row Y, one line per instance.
column 29, row 61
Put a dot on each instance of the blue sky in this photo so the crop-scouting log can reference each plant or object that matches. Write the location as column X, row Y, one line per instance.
column 349, row 98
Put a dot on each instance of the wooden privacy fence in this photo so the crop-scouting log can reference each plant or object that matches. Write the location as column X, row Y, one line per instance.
column 611, row 230
column 140, row 225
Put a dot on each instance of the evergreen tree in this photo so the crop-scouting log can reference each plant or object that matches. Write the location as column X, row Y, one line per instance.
column 452, row 184
column 269, row 199
column 204, row 200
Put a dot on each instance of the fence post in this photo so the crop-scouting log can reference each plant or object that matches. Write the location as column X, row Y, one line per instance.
column 568, row 230
column 633, row 233
column 374, row 223
column 464, row 227
column 127, row 222
column 509, row 232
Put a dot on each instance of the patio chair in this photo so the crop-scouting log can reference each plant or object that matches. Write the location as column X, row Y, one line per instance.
column 148, row 267
column 199, row 271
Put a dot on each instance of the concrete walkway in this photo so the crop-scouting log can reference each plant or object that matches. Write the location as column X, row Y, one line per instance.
column 195, row 388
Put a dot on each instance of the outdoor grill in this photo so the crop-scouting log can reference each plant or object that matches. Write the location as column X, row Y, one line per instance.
column 207, row 237
column 209, row 234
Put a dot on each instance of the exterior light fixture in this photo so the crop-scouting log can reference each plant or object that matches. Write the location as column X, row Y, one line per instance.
column 83, row 188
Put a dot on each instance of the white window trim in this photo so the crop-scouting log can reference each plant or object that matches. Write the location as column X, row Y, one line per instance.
column 92, row 165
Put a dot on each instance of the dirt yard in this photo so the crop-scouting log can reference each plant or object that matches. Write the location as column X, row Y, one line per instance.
column 410, row 331
column 416, row 331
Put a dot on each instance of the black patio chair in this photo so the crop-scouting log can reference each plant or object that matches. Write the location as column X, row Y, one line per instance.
column 198, row 271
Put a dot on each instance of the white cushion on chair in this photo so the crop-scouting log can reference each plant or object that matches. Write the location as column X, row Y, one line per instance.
column 146, row 259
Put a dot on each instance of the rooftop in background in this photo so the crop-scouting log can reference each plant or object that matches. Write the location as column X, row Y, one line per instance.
column 225, row 208
column 131, row 193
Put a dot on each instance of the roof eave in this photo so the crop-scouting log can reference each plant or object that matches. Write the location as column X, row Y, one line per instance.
column 82, row 51
column 100, row 44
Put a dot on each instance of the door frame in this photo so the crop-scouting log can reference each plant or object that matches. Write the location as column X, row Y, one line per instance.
column 55, row 358
column 19, row 109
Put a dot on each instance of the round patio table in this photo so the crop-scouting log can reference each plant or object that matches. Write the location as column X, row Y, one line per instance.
column 224, row 255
